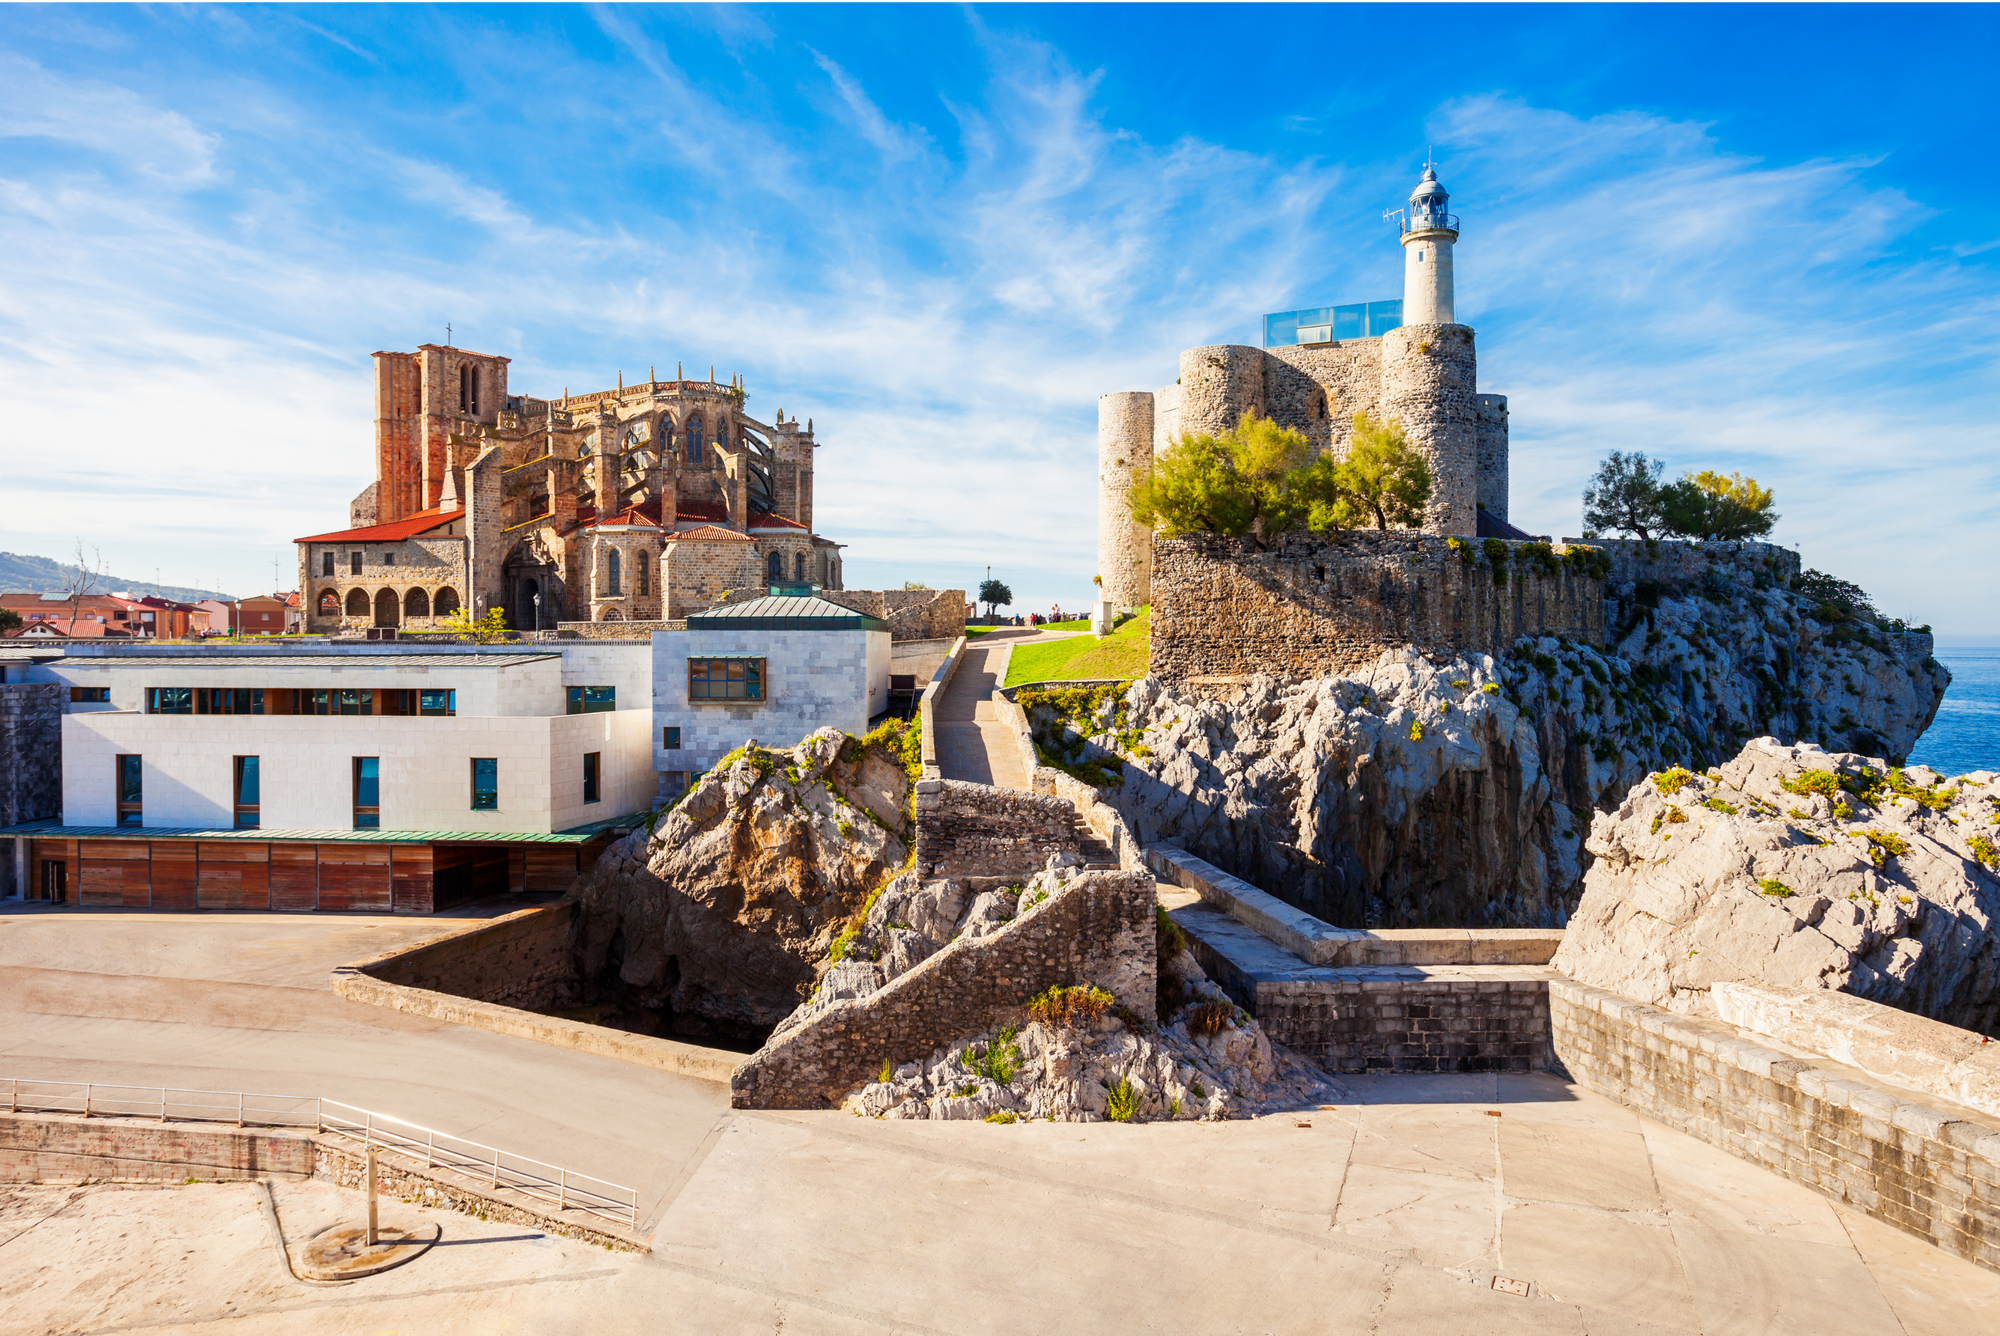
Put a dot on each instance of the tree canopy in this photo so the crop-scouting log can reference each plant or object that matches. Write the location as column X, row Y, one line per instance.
column 994, row 594
column 1262, row 479
column 1626, row 496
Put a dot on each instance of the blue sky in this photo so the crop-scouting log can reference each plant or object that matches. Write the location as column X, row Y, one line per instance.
column 1739, row 237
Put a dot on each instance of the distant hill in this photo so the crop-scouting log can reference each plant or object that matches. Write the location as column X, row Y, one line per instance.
column 21, row 574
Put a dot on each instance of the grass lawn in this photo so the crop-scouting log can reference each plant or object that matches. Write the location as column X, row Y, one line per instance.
column 974, row 632
column 1120, row 654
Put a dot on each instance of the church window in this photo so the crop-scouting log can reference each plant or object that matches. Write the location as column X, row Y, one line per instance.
column 645, row 574
column 694, row 440
column 611, row 569
column 799, row 566
column 774, row 567
column 468, row 388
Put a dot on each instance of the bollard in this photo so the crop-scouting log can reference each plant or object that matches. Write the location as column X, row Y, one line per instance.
column 371, row 1196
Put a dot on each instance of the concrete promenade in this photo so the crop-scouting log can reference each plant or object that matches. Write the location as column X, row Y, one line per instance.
column 1391, row 1209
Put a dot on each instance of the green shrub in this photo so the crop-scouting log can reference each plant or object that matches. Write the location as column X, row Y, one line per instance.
column 1670, row 782
column 1003, row 1117
column 1822, row 782
column 1209, row 1017
column 998, row 1061
column 1717, row 805
column 1776, row 889
column 1984, row 852
column 1416, row 730
column 1169, row 940
column 1888, row 841
column 886, row 1075
column 1491, row 688
column 1123, row 1105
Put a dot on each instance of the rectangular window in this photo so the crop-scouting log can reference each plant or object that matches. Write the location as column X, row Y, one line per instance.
column 90, row 695
column 169, row 700
column 388, row 558
column 357, row 702
column 485, row 784
column 228, row 700
column 326, row 563
column 725, row 679
column 593, row 700
column 131, row 791
column 590, row 776
column 672, row 740
column 247, row 803
column 354, row 563
column 440, row 703
column 367, row 792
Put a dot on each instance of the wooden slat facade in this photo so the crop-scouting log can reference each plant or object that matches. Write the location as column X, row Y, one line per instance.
column 298, row 877
column 355, row 877
column 295, row 877
column 235, row 874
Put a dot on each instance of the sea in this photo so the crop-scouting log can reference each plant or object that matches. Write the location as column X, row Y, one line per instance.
column 1966, row 733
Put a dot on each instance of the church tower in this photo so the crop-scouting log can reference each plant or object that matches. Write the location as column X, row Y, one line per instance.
column 1429, row 233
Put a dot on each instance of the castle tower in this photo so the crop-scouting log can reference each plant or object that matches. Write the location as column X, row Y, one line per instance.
column 1124, row 457
column 1429, row 233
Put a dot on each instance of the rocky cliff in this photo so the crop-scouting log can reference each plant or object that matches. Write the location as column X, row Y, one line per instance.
column 1432, row 791
column 1793, row 866
column 720, row 918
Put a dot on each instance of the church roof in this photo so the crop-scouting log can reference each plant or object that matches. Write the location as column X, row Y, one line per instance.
column 395, row 532
column 710, row 533
column 775, row 524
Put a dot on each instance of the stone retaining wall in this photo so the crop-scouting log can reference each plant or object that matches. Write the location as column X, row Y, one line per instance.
column 1930, row 1170
column 1366, row 1024
column 1097, row 930
column 38, row 1147
column 976, row 830
column 517, row 960
column 1309, row 606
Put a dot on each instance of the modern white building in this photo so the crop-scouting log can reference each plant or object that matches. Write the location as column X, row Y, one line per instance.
column 408, row 776
column 775, row 669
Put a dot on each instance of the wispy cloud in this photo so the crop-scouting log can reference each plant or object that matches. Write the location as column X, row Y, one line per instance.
column 944, row 282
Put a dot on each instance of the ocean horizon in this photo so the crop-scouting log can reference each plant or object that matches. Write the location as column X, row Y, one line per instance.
column 1965, row 736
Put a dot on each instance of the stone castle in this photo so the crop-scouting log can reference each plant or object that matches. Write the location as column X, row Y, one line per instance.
column 1422, row 374
column 639, row 503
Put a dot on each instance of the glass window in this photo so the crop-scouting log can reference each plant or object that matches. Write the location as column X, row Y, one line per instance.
column 131, row 792
column 485, row 784
column 590, row 760
column 444, row 703
column 725, row 679
column 592, row 700
column 247, row 786
column 326, row 563
column 367, row 792
column 357, row 702
column 354, row 563
column 611, row 565
column 169, row 700
column 672, row 740
column 90, row 695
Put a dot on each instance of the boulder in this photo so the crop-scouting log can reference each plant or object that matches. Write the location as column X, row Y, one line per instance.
column 1799, row 868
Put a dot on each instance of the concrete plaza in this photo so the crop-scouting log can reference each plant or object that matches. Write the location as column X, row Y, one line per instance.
column 1391, row 1209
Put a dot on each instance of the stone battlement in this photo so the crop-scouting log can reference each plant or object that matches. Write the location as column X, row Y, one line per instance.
column 1309, row 606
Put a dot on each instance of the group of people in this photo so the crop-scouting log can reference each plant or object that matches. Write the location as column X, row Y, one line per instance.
column 1053, row 615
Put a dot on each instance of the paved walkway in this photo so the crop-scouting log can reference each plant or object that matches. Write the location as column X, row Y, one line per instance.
column 972, row 743
column 1388, row 1210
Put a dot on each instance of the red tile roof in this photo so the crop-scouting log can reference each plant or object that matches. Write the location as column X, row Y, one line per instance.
column 709, row 533
column 421, row 522
column 776, row 523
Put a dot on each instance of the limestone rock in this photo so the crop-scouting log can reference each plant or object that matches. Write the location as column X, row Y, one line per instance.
column 1796, row 867
column 729, row 907
column 1430, row 792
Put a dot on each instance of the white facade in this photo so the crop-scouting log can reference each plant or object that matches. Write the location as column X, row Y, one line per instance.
column 813, row 679
column 511, row 707
column 1427, row 285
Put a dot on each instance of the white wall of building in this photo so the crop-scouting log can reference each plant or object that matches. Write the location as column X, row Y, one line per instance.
column 306, row 769
column 813, row 679
column 532, row 686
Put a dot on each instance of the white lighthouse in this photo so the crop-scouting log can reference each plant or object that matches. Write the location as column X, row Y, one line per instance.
column 1428, row 235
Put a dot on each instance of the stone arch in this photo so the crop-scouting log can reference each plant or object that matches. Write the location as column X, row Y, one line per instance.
column 611, row 615
column 446, row 602
column 416, row 603
column 387, row 606
column 357, row 603
column 329, row 603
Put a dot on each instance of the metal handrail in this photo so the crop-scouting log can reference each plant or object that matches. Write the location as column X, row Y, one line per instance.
column 1427, row 223
column 568, row 1189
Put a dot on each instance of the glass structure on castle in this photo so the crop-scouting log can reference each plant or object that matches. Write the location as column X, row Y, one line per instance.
column 1332, row 324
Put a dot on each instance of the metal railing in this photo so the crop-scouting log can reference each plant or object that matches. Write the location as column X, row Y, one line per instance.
column 568, row 1189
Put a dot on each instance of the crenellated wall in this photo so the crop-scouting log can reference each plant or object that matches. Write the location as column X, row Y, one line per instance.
column 1311, row 606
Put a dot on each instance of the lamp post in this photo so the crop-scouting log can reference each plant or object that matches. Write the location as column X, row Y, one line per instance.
column 538, row 611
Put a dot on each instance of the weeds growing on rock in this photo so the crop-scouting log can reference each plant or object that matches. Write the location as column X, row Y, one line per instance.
column 884, row 1076
column 999, row 1060
column 1715, row 804
column 1169, row 940
column 1670, row 782
column 1776, row 889
column 1822, row 782
column 1075, row 1005
column 1123, row 1104
column 1984, row 852
column 1003, row 1117
column 1209, row 1017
